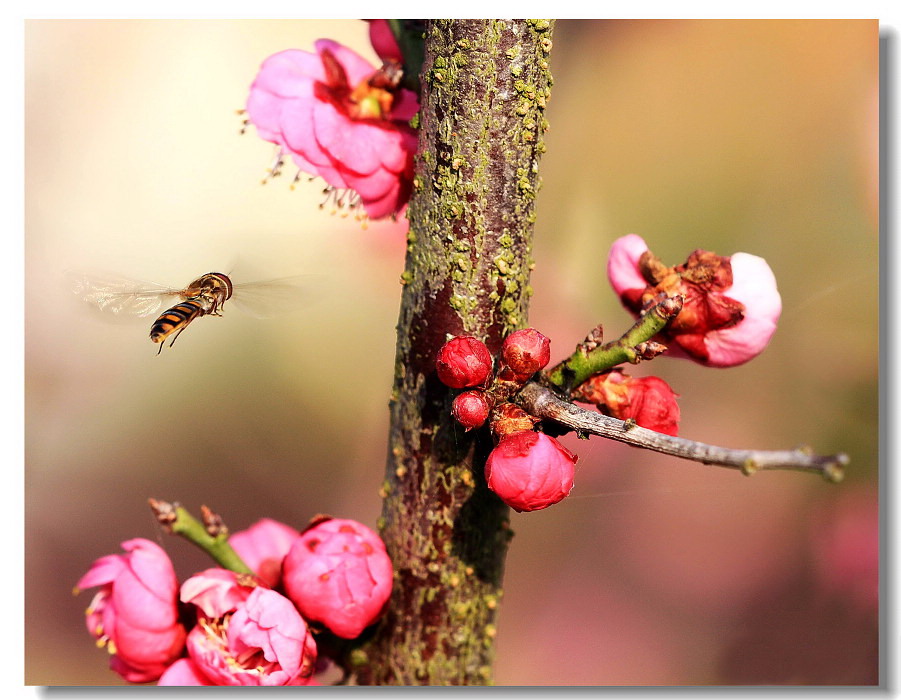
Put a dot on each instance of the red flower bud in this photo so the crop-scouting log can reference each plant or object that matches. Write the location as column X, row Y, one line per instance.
column 526, row 351
column 463, row 361
column 470, row 409
column 530, row 471
column 649, row 401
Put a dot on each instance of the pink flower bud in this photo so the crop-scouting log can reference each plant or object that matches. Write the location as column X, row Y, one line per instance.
column 263, row 640
column 338, row 573
column 649, row 401
column 463, row 361
column 530, row 471
column 470, row 409
column 382, row 39
column 526, row 351
column 342, row 119
column 730, row 304
column 135, row 612
column 263, row 546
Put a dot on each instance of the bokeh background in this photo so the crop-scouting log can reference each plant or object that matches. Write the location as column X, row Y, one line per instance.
column 759, row 136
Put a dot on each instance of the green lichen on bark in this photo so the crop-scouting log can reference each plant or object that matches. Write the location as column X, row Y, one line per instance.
column 485, row 86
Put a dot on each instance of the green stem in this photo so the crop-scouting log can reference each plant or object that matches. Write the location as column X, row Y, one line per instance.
column 584, row 362
column 186, row 525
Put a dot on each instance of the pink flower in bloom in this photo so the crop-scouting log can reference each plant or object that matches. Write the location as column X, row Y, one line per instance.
column 135, row 612
column 463, row 361
column 530, row 471
column 470, row 409
column 253, row 639
column 340, row 118
column 526, row 351
column 649, row 401
column 217, row 591
column 730, row 304
column 263, row 546
column 338, row 573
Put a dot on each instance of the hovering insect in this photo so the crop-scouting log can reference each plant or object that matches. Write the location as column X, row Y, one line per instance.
column 205, row 296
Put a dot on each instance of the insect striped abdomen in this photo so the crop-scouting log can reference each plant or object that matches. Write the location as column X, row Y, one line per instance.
column 175, row 319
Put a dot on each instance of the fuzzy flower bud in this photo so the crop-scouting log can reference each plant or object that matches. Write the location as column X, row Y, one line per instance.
column 649, row 401
column 338, row 573
column 463, row 361
column 135, row 612
column 470, row 409
column 526, row 351
column 530, row 471
column 730, row 304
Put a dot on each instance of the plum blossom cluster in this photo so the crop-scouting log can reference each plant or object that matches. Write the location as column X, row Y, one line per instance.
column 225, row 628
column 340, row 118
column 528, row 470
column 726, row 314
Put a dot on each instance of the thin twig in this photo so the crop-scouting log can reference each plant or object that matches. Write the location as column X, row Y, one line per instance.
column 543, row 403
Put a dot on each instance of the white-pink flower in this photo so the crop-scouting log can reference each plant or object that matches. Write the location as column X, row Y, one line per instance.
column 731, row 305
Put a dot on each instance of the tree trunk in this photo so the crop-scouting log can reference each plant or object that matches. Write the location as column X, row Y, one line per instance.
column 485, row 84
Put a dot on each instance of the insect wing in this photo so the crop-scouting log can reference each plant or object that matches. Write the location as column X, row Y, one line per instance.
column 270, row 298
column 121, row 295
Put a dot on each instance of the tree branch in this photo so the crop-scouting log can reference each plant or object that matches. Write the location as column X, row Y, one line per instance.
column 543, row 403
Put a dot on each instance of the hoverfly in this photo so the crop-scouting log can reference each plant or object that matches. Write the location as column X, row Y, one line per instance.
column 204, row 296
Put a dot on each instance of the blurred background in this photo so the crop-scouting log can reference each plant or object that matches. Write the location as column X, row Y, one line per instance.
column 759, row 136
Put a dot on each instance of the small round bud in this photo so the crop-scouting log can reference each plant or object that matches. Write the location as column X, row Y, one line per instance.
column 530, row 471
column 463, row 361
column 526, row 351
column 470, row 409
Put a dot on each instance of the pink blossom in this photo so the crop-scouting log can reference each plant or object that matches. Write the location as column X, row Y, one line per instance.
column 530, row 471
column 217, row 591
column 184, row 672
column 463, row 361
column 263, row 546
column 261, row 640
column 649, row 401
column 730, row 304
column 340, row 118
column 338, row 573
column 526, row 351
column 135, row 612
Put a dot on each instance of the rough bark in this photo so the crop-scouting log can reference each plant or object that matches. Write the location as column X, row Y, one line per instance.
column 485, row 84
